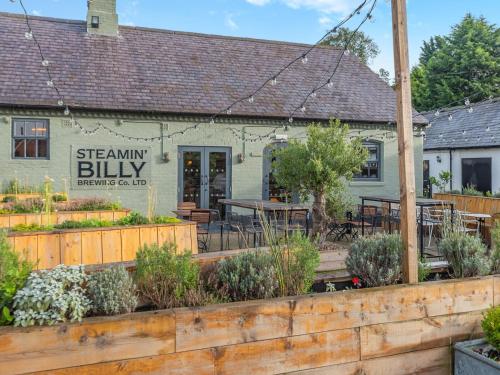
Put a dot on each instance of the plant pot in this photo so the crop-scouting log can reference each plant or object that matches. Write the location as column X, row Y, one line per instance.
column 468, row 362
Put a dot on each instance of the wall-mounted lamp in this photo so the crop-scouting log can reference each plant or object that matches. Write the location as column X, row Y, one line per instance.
column 94, row 22
column 119, row 122
column 240, row 158
column 438, row 158
column 165, row 157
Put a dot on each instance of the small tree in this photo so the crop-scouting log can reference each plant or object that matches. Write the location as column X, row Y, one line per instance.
column 441, row 181
column 319, row 166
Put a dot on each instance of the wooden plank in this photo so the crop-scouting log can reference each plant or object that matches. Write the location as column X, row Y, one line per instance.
column 71, row 248
column 16, row 220
column 194, row 239
column 107, row 215
column 33, row 219
column 199, row 362
column 118, row 214
column 148, row 236
column 429, row 362
column 111, row 246
column 93, row 341
column 93, row 215
column 288, row 354
column 50, row 219
column 381, row 340
column 78, row 216
column 496, row 290
column 4, row 221
column 182, row 238
column 232, row 324
column 130, row 243
column 92, row 247
column 50, row 251
column 62, row 216
column 27, row 247
column 166, row 234
column 408, row 224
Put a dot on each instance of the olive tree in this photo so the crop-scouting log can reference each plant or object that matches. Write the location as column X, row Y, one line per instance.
column 320, row 165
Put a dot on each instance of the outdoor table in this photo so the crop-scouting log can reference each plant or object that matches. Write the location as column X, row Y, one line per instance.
column 420, row 202
column 267, row 206
column 481, row 218
column 187, row 214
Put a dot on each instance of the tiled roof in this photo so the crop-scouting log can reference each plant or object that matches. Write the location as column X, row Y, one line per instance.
column 479, row 128
column 151, row 70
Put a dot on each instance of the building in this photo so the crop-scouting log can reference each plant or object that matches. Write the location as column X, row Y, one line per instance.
column 123, row 83
column 467, row 144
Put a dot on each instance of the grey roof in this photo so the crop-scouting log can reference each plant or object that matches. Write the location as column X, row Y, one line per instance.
column 476, row 129
column 149, row 70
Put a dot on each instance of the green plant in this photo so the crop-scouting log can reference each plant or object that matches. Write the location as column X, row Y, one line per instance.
column 491, row 327
column 31, row 228
column 112, row 291
column 495, row 249
column 59, row 198
column 15, row 186
column 8, row 198
column 13, row 274
column 29, row 205
column 51, row 297
column 441, row 181
column 465, row 254
column 88, row 204
column 471, row 190
column 165, row 220
column 317, row 166
column 246, row 276
column 376, row 260
column 424, row 269
column 339, row 201
column 134, row 218
column 165, row 279
column 87, row 223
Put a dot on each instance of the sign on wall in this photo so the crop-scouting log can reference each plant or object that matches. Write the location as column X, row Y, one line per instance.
column 110, row 167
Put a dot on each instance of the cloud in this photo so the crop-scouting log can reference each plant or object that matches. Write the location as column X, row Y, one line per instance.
column 36, row 12
column 325, row 21
column 324, row 6
column 230, row 22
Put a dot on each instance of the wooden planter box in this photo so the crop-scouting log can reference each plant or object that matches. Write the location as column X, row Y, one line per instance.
column 484, row 205
column 100, row 245
column 468, row 362
column 11, row 220
column 22, row 196
column 403, row 329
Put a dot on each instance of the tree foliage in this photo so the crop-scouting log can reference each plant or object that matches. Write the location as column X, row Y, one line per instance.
column 319, row 166
column 457, row 65
column 361, row 44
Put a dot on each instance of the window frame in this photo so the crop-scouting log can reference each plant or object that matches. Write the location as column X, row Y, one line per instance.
column 26, row 138
column 379, row 146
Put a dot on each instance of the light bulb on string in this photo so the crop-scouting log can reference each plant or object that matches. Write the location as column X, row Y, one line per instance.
column 347, row 52
column 50, row 83
column 488, row 129
column 467, row 102
column 28, row 35
column 66, row 111
column 304, row 59
column 450, row 117
column 212, row 121
column 274, row 81
column 290, row 119
column 251, row 99
column 470, row 110
column 45, row 63
column 60, row 102
column 228, row 111
column 464, row 132
column 436, row 113
column 303, row 108
column 330, row 84
column 314, row 94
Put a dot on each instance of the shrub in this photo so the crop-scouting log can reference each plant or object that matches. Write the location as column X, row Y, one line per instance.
column 471, row 190
column 8, row 198
column 165, row 279
column 13, row 275
column 495, row 249
column 87, row 223
column 31, row 228
column 424, row 269
column 16, row 187
column 88, row 204
column 51, row 297
column 134, row 218
column 465, row 254
column 246, row 276
column 28, row 206
column 112, row 291
column 491, row 327
column 376, row 260
column 59, row 198
column 165, row 220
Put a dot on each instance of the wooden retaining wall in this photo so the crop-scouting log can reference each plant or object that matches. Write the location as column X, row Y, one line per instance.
column 404, row 329
column 484, row 205
column 23, row 196
column 100, row 245
column 11, row 220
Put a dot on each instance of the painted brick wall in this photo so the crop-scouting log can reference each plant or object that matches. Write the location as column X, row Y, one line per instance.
column 246, row 177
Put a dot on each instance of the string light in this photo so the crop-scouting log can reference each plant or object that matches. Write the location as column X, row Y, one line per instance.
column 45, row 62
column 467, row 102
column 304, row 59
column 251, row 99
column 274, row 81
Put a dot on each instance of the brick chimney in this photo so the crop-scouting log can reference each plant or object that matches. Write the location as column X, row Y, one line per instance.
column 102, row 18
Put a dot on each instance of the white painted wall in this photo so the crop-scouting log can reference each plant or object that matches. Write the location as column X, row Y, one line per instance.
column 457, row 156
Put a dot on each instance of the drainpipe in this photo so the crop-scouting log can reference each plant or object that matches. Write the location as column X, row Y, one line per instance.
column 451, row 169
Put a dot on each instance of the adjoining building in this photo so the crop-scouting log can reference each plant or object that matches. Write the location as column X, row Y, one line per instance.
column 122, row 83
column 467, row 144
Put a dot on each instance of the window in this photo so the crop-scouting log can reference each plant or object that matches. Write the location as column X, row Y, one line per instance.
column 30, row 139
column 476, row 172
column 372, row 169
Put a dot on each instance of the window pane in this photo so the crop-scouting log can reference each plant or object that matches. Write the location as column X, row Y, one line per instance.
column 42, row 148
column 19, row 148
column 40, row 129
column 31, row 148
column 372, row 153
column 29, row 128
column 373, row 171
column 19, row 128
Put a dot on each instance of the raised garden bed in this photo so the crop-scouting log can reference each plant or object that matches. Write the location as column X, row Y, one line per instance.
column 469, row 362
column 400, row 329
column 11, row 220
column 99, row 245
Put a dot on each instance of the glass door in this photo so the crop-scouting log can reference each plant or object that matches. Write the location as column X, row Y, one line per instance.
column 204, row 176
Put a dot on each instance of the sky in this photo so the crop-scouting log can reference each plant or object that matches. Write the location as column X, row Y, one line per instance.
column 302, row 21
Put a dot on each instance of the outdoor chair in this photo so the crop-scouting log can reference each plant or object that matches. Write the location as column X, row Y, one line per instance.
column 429, row 222
column 218, row 225
column 202, row 219
column 340, row 228
column 466, row 224
column 234, row 224
column 367, row 216
column 252, row 227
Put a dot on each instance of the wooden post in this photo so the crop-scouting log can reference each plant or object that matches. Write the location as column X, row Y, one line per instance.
column 405, row 142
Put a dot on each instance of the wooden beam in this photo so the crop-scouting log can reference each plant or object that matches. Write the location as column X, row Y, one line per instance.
column 405, row 142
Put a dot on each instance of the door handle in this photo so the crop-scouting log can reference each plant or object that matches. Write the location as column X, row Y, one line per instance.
column 206, row 180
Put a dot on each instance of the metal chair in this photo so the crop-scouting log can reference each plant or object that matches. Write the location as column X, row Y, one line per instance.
column 253, row 227
column 202, row 219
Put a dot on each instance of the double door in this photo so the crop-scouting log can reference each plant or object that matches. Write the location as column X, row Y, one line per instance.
column 204, row 175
